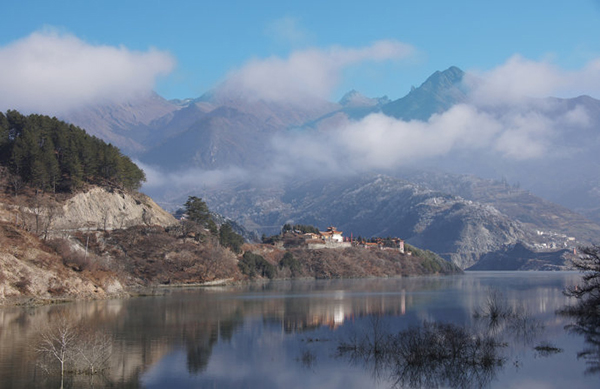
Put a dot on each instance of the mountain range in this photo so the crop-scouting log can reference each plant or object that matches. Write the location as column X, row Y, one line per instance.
column 466, row 205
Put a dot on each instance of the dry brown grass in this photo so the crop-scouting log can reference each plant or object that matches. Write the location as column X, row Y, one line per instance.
column 344, row 263
column 23, row 284
column 152, row 255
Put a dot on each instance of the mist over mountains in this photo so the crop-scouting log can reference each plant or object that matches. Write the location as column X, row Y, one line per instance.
column 450, row 166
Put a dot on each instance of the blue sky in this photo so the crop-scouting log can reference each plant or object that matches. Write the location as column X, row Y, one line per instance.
column 208, row 40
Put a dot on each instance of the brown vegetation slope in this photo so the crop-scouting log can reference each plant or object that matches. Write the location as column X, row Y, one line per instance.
column 32, row 268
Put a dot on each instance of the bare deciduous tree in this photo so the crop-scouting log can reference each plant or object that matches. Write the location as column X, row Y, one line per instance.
column 51, row 211
column 56, row 344
column 17, row 183
column 105, row 211
column 94, row 349
column 70, row 349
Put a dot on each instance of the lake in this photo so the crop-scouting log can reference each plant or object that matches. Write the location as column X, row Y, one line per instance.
column 368, row 333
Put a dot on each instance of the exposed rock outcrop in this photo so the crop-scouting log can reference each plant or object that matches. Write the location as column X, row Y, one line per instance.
column 32, row 265
column 104, row 209
column 28, row 269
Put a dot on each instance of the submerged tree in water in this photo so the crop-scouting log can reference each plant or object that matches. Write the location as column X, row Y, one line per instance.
column 431, row 355
column 499, row 316
column 67, row 349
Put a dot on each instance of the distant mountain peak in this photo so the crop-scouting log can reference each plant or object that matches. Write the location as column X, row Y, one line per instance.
column 357, row 99
column 182, row 102
column 438, row 93
column 208, row 96
column 443, row 79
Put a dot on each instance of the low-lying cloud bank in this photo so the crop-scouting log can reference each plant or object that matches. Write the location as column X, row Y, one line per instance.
column 382, row 142
column 50, row 73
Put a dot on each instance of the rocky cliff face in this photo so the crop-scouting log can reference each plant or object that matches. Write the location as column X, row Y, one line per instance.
column 30, row 270
column 52, row 267
column 104, row 209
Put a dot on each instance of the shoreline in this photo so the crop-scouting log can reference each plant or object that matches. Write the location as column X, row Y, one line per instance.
column 162, row 289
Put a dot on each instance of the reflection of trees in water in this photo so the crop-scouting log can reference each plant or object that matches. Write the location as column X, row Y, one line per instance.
column 546, row 349
column 201, row 338
column 591, row 354
column 586, row 312
column 443, row 354
column 199, row 352
column 149, row 328
column 499, row 318
column 431, row 355
column 308, row 359
column 586, row 323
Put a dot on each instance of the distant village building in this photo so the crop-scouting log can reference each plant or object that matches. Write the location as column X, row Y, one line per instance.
column 334, row 239
column 370, row 245
column 330, row 239
column 332, row 235
column 311, row 236
column 389, row 244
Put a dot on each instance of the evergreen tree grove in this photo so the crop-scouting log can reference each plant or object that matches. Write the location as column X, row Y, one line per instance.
column 52, row 155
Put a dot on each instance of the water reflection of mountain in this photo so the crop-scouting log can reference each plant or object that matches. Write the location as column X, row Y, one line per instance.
column 146, row 330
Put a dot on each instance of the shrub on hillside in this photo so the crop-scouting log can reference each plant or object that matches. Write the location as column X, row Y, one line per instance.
column 74, row 259
column 288, row 261
column 229, row 239
column 253, row 264
column 23, row 284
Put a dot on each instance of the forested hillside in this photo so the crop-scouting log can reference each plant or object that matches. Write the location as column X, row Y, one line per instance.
column 52, row 155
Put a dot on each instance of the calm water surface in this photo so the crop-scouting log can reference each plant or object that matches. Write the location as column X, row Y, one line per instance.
column 287, row 335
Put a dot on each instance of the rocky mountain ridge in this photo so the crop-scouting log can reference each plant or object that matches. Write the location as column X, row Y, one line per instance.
column 460, row 230
column 438, row 93
column 123, row 124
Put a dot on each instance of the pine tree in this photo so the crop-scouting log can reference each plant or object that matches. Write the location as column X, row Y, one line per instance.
column 229, row 239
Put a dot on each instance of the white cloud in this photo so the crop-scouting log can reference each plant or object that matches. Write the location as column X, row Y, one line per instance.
column 306, row 74
column 525, row 135
column 287, row 30
column 500, row 117
column 193, row 177
column 578, row 116
column 51, row 72
column 382, row 142
column 519, row 79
